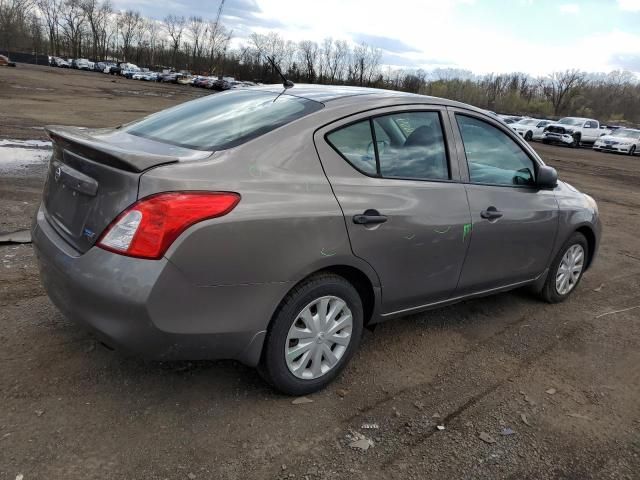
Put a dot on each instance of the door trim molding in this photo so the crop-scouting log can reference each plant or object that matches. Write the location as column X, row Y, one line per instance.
column 480, row 293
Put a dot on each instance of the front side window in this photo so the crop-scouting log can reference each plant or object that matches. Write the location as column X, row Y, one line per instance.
column 408, row 145
column 493, row 157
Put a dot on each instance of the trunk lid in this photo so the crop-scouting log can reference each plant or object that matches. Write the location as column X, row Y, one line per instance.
column 93, row 175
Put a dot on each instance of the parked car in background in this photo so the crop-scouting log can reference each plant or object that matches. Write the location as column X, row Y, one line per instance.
column 622, row 140
column 60, row 62
column 112, row 69
column 510, row 119
column 145, row 76
column 103, row 67
column 530, row 128
column 573, row 131
column 5, row 62
column 157, row 232
column 170, row 77
column 220, row 84
column 129, row 72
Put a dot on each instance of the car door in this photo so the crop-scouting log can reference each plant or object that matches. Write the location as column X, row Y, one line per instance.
column 514, row 223
column 590, row 131
column 537, row 133
column 406, row 212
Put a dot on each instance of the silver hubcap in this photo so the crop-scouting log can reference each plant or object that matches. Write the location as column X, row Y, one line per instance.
column 570, row 269
column 318, row 337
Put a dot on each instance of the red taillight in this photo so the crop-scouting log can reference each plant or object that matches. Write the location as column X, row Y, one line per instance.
column 148, row 227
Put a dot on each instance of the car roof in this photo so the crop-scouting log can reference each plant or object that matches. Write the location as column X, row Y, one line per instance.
column 329, row 93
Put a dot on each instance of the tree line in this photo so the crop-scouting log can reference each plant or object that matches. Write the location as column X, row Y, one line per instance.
column 94, row 29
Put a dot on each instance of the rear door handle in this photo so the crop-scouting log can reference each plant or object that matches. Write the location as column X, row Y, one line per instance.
column 491, row 213
column 369, row 217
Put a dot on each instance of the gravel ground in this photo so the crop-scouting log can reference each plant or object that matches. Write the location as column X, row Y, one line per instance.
column 521, row 389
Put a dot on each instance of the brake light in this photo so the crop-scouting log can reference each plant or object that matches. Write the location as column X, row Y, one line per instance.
column 148, row 227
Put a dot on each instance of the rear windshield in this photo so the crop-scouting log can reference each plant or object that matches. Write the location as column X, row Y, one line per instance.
column 223, row 120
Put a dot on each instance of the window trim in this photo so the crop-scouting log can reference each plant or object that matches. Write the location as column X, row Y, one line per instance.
column 462, row 156
column 441, row 116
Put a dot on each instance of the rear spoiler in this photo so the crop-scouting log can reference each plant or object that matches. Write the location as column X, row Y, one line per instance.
column 80, row 141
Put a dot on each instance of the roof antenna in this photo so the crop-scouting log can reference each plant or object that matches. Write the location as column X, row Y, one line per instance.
column 285, row 83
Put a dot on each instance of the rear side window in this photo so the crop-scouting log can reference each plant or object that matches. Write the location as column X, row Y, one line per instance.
column 408, row 145
column 355, row 144
column 493, row 157
column 223, row 120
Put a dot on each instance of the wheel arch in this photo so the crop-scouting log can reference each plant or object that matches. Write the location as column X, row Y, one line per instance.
column 361, row 276
column 367, row 287
column 590, row 235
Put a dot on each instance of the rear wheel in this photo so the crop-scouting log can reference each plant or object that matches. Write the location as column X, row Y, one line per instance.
column 313, row 335
column 566, row 270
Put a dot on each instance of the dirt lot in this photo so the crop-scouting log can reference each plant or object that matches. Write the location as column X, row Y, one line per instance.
column 564, row 378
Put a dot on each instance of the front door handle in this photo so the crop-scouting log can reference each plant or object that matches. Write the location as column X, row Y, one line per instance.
column 369, row 217
column 491, row 213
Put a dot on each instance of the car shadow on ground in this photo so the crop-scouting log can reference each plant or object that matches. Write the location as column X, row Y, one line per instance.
column 469, row 322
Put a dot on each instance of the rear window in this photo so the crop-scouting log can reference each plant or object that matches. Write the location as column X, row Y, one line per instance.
column 223, row 120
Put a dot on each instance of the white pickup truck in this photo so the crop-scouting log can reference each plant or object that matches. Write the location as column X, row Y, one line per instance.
column 573, row 131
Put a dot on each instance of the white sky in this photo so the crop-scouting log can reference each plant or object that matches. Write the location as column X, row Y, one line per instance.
column 532, row 36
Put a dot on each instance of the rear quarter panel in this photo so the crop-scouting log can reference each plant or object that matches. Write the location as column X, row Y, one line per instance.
column 287, row 225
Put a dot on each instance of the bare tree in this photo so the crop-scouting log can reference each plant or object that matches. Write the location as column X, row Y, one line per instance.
column 13, row 16
column 308, row 54
column 561, row 87
column 73, row 23
column 50, row 12
column 152, row 29
column 336, row 55
column 175, row 27
column 129, row 24
column 197, row 30
column 97, row 15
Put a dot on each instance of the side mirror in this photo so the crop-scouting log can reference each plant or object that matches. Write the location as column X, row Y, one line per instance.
column 547, row 177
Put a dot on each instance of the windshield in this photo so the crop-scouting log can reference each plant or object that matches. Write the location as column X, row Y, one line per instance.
column 624, row 133
column 223, row 120
column 528, row 122
column 571, row 121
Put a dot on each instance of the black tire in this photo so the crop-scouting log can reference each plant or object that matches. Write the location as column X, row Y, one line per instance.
column 632, row 151
column 576, row 142
column 273, row 366
column 549, row 292
column 528, row 136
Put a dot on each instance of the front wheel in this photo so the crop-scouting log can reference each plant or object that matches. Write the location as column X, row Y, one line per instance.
column 576, row 142
column 528, row 136
column 566, row 270
column 632, row 150
column 313, row 335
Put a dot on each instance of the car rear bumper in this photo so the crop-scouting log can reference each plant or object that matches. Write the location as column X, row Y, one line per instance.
column 147, row 307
